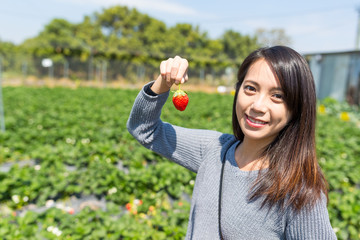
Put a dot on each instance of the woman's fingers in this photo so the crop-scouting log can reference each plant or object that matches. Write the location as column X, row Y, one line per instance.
column 174, row 70
column 163, row 69
column 181, row 76
column 169, row 64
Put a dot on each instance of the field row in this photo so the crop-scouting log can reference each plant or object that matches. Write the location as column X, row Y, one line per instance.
column 64, row 144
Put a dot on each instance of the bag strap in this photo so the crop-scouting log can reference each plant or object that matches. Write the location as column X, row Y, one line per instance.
column 220, row 193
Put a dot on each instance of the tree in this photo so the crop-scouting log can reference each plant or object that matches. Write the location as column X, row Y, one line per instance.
column 57, row 40
column 237, row 46
column 90, row 37
column 138, row 40
column 131, row 36
column 272, row 37
column 122, row 28
column 8, row 55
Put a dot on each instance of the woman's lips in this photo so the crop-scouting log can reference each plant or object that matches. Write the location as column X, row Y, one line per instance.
column 255, row 123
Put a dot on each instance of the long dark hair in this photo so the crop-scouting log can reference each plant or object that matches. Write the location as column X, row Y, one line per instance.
column 293, row 177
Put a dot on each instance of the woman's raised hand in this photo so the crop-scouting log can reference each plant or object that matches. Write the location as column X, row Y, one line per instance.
column 174, row 70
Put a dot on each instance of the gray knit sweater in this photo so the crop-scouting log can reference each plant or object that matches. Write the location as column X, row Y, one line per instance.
column 201, row 151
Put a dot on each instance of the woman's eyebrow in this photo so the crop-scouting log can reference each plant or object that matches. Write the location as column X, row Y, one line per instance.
column 276, row 89
column 252, row 82
column 257, row 85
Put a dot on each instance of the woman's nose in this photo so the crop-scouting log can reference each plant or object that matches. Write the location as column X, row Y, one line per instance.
column 259, row 104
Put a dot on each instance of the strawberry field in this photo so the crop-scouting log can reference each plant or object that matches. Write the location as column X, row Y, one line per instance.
column 70, row 170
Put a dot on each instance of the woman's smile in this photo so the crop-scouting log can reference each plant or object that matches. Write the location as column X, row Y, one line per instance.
column 255, row 123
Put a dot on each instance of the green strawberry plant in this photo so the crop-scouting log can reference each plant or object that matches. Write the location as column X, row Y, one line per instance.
column 63, row 142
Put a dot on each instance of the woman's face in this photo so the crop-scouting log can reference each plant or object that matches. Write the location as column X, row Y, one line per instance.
column 260, row 107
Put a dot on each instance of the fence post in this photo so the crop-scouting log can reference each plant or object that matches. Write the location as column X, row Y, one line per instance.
column 24, row 68
column 104, row 69
column 51, row 72
column 98, row 72
column 2, row 116
column 90, row 68
column 202, row 75
column 66, row 69
column 140, row 72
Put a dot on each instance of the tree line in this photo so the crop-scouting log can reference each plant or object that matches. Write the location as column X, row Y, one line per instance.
column 122, row 33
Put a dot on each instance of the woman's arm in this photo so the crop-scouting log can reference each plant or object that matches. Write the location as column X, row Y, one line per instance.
column 181, row 145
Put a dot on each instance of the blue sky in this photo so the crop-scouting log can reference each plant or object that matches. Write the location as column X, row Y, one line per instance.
column 313, row 25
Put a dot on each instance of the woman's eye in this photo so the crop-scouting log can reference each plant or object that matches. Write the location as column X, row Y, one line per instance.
column 249, row 88
column 278, row 96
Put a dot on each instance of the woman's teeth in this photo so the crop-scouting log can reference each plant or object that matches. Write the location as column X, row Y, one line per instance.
column 256, row 121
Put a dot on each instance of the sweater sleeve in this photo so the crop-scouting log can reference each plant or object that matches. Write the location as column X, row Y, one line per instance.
column 181, row 145
column 311, row 224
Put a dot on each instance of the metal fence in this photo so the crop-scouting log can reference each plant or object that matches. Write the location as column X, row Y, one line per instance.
column 336, row 75
column 22, row 68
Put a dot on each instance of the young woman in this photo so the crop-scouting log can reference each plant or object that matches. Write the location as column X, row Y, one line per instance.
column 263, row 182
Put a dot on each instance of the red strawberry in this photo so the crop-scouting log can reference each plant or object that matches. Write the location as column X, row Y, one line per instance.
column 180, row 100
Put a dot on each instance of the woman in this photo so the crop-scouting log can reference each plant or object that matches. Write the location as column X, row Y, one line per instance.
column 264, row 181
